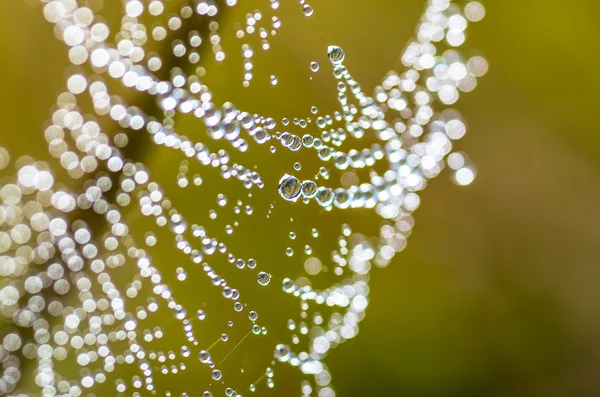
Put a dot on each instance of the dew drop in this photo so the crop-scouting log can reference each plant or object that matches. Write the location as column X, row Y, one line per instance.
column 289, row 187
column 336, row 54
column 263, row 278
column 251, row 263
column 204, row 357
column 216, row 374
column 308, row 10
column 324, row 173
column 309, row 189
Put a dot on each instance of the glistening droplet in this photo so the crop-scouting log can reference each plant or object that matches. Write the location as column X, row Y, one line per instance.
column 289, row 187
column 308, row 10
column 336, row 54
column 263, row 278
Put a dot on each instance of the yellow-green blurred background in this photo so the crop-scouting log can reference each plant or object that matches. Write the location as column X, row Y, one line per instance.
column 498, row 292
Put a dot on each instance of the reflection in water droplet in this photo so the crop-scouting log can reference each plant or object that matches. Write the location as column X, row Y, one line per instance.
column 289, row 187
column 308, row 10
column 263, row 278
column 309, row 188
column 336, row 54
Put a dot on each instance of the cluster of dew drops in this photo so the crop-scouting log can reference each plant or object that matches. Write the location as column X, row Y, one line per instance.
column 60, row 285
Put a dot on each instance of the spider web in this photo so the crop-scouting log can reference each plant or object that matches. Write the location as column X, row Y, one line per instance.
column 100, row 302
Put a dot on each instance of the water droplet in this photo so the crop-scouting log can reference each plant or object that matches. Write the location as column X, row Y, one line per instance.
column 251, row 263
column 216, row 374
column 308, row 10
column 324, row 196
column 289, row 187
column 263, row 278
column 282, row 352
column 336, row 54
column 204, row 357
column 324, row 173
column 288, row 285
column 309, row 188
column 314, row 67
